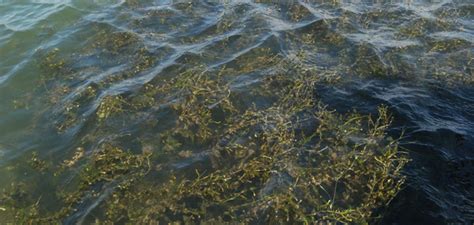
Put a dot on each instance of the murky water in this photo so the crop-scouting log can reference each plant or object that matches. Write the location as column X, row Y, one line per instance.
column 77, row 74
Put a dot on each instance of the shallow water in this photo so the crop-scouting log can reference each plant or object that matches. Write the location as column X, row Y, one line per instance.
column 60, row 60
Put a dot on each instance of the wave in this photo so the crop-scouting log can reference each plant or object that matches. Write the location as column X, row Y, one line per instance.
column 415, row 58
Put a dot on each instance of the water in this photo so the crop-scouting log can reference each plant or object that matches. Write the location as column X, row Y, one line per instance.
column 61, row 59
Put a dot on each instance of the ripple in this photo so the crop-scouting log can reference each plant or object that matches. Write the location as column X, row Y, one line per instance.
column 414, row 57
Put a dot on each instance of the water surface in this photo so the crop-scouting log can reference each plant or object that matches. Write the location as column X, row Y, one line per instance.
column 59, row 60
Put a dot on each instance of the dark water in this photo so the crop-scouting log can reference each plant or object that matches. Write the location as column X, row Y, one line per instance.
column 60, row 60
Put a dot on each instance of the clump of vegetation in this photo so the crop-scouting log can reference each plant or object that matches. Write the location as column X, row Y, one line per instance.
column 37, row 163
column 78, row 155
column 199, row 100
column 340, row 173
column 294, row 161
column 109, row 106
column 53, row 64
column 114, row 43
column 109, row 164
column 15, row 205
column 288, row 160
column 420, row 27
column 257, row 59
column 270, row 171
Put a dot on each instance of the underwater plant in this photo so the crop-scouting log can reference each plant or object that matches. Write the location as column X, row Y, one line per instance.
column 294, row 161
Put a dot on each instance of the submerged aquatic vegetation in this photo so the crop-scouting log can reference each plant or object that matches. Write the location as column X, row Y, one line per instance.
column 198, row 98
column 341, row 172
column 109, row 106
column 147, row 112
column 108, row 167
column 293, row 161
column 54, row 64
column 290, row 160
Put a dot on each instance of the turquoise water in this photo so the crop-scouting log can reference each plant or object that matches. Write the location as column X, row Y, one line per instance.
column 60, row 60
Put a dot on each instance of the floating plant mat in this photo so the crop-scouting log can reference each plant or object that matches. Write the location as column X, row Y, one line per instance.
column 241, row 112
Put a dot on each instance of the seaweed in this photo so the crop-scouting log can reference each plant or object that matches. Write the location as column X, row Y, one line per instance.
column 288, row 160
column 268, row 164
